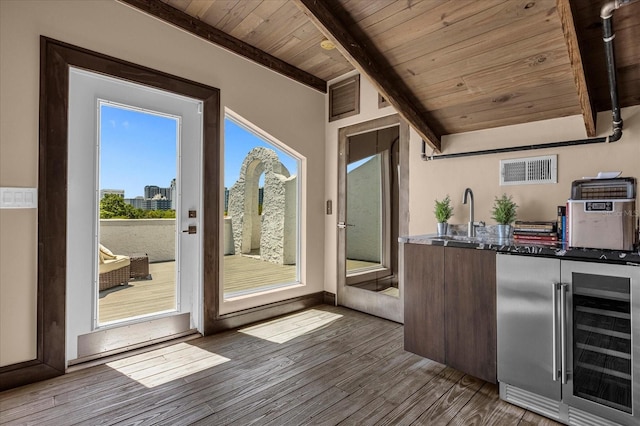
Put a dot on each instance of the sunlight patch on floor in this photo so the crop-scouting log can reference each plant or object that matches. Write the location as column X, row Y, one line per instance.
column 167, row 368
column 288, row 328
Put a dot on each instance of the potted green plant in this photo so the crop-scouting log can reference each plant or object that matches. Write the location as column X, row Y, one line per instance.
column 443, row 212
column 504, row 212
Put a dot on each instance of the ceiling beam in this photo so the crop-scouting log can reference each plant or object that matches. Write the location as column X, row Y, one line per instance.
column 571, row 38
column 211, row 34
column 336, row 24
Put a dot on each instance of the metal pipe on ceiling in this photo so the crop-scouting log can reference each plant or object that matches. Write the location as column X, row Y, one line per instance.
column 606, row 14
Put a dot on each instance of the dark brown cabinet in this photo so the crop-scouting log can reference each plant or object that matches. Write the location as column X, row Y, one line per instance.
column 450, row 307
column 424, row 302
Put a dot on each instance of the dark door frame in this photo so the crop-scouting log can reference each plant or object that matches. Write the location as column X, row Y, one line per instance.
column 55, row 59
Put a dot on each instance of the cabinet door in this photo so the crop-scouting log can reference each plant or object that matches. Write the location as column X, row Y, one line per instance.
column 526, row 330
column 424, row 301
column 470, row 311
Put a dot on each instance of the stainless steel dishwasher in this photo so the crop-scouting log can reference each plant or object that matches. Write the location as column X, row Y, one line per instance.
column 569, row 339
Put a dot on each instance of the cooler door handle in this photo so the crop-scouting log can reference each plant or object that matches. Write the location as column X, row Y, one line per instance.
column 563, row 333
column 554, row 331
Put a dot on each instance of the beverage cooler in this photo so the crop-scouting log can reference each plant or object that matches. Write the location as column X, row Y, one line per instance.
column 569, row 339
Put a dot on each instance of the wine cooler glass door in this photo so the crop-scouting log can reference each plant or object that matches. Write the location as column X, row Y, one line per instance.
column 601, row 338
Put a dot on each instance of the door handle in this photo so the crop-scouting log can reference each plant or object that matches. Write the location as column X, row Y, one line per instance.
column 191, row 230
column 343, row 225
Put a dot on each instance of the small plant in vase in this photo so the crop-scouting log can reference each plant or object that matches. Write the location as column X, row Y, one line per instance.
column 504, row 213
column 443, row 212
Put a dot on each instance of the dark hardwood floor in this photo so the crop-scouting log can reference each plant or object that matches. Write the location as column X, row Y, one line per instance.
column 325, row 365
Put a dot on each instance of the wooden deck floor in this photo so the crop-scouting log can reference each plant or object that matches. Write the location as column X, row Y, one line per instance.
column 326, row 365
column 142, row 297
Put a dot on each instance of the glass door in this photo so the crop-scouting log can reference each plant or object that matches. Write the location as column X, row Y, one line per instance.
column 601, row 335
column 372, row 178
column 371, row 211
column 137, row 213
column 602, row 340
column 134, row 240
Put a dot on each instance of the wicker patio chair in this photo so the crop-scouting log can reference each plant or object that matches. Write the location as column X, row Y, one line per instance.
column 113, row 269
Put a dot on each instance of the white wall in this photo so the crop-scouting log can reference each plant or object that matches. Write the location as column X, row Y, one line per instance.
column 155, row 237
column 435, row 179
column 291, row 112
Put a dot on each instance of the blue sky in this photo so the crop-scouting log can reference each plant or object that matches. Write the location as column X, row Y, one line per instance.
column 139, row 149
column 238, row 143
column 136, row 149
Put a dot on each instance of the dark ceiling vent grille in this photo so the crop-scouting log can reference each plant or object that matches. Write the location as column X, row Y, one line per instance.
column 344, row 98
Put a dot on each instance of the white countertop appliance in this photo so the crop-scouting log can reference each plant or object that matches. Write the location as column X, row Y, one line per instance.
column 601, row 213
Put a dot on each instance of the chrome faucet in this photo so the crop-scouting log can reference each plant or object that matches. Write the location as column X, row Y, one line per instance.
column 471, row 228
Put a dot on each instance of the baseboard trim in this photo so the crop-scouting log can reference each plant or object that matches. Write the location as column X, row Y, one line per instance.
column 248, row 316
column 28, row 373
column 330, row 298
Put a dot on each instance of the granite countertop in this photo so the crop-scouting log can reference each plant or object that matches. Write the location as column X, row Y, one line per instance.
column 490, row 242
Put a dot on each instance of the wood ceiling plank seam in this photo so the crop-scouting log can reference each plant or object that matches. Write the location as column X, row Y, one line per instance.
column 198, row 8
column 333, row 71
column 271, row 32
column 306, row 48
column 539, row 95
column 306, row 36
column 513, row 71
column 361, row 9
column 181, row 20
column 369, row 62
column 524, row 118
column 390, row 13
column 450, row 24
column 237, row 15
column 477, row 42
column 248, row 25
column 538, row 50
column 471, row 63
column 531, row 106
column 257, row 17
column 579, row 77
column 498, row 88
column 394, row 32
column 218, row 11
column 277, row 38
column 309, row 50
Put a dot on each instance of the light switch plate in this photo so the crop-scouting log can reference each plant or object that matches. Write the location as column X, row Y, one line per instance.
column 18, row 198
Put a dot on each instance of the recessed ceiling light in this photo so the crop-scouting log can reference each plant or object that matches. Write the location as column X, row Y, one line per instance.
column 327, row 44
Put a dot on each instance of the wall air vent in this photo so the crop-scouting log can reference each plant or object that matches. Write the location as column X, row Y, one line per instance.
column 344, row 98
column 530, row 170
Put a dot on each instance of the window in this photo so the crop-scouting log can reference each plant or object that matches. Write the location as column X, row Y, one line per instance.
column 261, row 211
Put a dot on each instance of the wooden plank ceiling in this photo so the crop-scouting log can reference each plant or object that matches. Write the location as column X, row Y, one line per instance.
column 462, row 65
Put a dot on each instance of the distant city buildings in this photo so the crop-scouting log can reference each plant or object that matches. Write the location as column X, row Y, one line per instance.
column 155, row 197
column 158, row 198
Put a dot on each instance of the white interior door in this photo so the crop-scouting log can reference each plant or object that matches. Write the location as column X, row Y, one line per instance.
column 87, row 336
